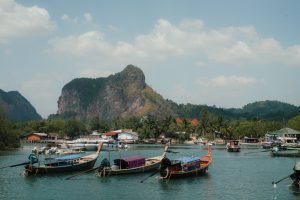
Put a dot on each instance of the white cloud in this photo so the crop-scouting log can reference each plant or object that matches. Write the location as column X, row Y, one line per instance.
column 222, row 81
column 88, row 44
column 69, row 19
column 239, row 46
column 19, row 21
column 227, row 81
column 87, row 18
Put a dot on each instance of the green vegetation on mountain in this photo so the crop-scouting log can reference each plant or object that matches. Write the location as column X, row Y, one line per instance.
column 87, row 89
column 270, row 110
column 273, row 110
column 294, row 123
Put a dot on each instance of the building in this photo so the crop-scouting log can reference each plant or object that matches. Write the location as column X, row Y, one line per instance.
column 286, row 135
column 37, row 137
column 124, row 135
column 128, row 137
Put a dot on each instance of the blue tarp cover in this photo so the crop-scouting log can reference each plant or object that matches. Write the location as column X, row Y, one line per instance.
column 187, row 159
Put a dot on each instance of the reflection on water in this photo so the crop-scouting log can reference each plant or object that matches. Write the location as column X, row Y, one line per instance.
column 294, row 190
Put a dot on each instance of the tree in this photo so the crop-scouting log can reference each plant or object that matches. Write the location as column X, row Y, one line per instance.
column 294, row 123
column 97, row 124
column 8, row 136
column 74, row 128
column 117, row 123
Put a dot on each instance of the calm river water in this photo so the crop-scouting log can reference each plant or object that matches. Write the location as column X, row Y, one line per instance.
column 232, row 176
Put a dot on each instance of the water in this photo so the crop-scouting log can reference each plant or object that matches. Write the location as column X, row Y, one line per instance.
column 231, row 176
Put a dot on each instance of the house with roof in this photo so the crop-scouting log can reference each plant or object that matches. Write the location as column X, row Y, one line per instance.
column 285, row 135
column 37, row 137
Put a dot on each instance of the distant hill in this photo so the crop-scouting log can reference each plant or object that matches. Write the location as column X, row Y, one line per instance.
column 273, row 110
column 17, row 107
column 269, row 110
column 123, row 94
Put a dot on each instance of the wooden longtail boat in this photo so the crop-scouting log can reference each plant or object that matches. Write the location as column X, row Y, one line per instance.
column 233, row 146
column 186, row 166
column 131, row 164
column 68, row 163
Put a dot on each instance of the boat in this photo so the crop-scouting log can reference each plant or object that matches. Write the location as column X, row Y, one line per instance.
column 130, row 164
column 69, row 163
column 285, row 151
column 296, row 175
column 270, row 144
column 289, row 141
column 233, row 146
column 66, row 151
column 122, row 146
column 185, row 166
column 250, row 142
column 201, row 141
column 87, row 144
column 270, row 141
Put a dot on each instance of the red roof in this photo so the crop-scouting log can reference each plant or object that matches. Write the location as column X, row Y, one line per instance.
column 194, row 122
column 178, row 120
column 111, row 133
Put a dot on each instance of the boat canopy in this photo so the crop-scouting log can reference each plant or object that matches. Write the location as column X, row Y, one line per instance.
column 130, row 162
column 187, row 159
column 234, row 142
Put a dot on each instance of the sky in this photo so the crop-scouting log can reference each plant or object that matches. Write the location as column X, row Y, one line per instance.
column 219, row 53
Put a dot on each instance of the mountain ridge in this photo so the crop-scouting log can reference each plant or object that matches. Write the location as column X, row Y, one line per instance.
column 123, row 94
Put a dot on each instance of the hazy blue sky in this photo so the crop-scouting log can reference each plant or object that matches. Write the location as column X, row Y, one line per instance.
column 225, row 52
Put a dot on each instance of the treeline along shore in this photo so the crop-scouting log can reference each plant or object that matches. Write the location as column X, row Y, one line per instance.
column 178, row 129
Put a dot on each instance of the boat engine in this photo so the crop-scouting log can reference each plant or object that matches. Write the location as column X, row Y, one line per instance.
column 104, row 169
column 165, row 163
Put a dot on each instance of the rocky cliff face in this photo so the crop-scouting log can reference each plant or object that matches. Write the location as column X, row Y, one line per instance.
column 123, row 94
column 16, row 107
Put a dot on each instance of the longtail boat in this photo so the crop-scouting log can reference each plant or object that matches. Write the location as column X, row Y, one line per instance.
column 294, row 176
column 185, row 166
column 69, row 163
column 131, row 164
